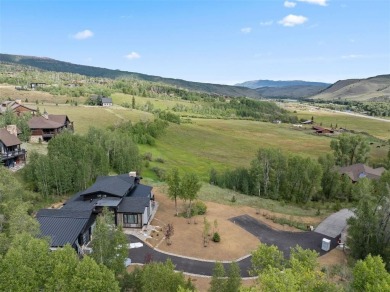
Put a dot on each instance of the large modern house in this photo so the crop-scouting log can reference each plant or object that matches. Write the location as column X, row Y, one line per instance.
column 360, row 170
column 11, row 152
column 45, row 127
column 131, row 202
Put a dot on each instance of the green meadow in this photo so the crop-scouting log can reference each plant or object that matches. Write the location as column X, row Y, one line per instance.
column 204, row 144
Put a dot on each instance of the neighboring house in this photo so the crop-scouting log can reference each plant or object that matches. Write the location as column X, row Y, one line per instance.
column 34, row 85
column 360, row 170
column 45, row 127
column 11, row 152
column 16, row 107
column 321, row 130
column 131, row 202
column 106, row 101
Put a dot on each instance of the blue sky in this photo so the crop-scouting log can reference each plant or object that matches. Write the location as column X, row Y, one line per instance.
column 207, row 41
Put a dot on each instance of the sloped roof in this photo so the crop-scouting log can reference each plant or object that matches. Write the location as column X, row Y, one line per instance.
column 106, row 100
column 62, row 226
column 53, row 122
column 8, row 139
column 360, row 170
column 117, row 186
column 12, row 105
column 133, row 204
column 140, row 191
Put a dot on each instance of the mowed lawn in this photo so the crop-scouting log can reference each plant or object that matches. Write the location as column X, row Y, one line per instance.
column 85, row 117
column 223, row 144
column 376, row 128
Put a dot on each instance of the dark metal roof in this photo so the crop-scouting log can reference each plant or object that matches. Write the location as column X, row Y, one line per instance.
column 117, row 186
column 63, row 213
column 62, row 226
column 141, row 191
column 133, row 204
column 108, row 202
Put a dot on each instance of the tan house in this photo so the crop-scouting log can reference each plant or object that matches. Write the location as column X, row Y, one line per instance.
column 45, row 127
column 360, row 170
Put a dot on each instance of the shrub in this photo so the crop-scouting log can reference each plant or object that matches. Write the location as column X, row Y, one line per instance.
column 233, row 199
column 200, row 207
column 148, row 156
column 160, row 160
column 216, row 237
column 159, row 172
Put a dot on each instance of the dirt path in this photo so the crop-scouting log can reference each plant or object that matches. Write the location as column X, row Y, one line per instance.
column 115, row 114
column 362, row 116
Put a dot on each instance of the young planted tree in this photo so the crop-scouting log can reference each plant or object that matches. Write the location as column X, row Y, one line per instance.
column 168, row 232
column 206, row 231
column 174, row 187
column 190, row 187
column 233, row 282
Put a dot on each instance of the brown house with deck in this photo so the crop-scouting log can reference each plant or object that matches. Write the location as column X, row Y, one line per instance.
column 11, row 153
column 45, row 127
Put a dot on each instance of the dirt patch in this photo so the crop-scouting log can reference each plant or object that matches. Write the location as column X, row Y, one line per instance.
column 235, row 242
column 188, row 239
column 334, row 257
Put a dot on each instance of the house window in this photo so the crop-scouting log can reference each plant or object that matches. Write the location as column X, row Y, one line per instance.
column 130, row 218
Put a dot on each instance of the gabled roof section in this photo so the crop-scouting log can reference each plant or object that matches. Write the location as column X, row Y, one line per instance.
column 133, row 204
column 62, row 226
column 61, row 119
column 53, row 122
column 117, row 186
column 360, row 170
column 8, row 139
column 141, row 191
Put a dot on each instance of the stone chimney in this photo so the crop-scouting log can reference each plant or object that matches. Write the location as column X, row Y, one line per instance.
column 18, row 101
column 133, row 174
column 12, row 129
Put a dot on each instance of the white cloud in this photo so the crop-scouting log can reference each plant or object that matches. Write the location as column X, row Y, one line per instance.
column 317, row 2
column 353, row 56
column 266, row 23
column 293, row 20
column 82, row 35
column 246, row 30
column 289, row 4
column 133, row 56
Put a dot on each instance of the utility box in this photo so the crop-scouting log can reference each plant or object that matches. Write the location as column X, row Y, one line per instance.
column 325, row 244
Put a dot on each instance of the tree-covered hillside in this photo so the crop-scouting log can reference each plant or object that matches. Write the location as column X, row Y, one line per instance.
column 60, row 66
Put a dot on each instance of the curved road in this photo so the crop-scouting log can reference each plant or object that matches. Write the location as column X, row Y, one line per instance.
column 282, row 239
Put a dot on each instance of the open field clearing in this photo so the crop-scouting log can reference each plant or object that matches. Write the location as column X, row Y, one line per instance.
column 9, row 91
column 158, row 103
column 99, row 117
column 376, row 128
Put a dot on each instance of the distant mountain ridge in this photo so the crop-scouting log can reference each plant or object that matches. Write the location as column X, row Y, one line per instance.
column 60, row 66
column 254, row 84
column 370, row 89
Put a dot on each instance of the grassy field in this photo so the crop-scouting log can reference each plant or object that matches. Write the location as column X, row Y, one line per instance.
column 221, row 144
column 99, row 117
column 376, row 128
column 158, row 103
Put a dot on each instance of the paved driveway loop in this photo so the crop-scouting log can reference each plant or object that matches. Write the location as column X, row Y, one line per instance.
column 283, row 239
